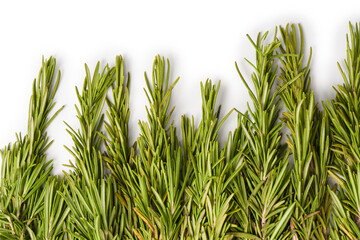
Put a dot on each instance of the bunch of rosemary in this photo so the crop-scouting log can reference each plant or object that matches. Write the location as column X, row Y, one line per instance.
column 161, row 187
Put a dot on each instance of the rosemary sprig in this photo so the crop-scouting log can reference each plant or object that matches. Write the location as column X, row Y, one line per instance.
column 155, row 179
column 117, row 144
column 25, row 168
column 209, row 203
column 308, row 141
column 266, row 173
column 119, row 154
column 87, row 140
column 344, row 114
column 91, row 196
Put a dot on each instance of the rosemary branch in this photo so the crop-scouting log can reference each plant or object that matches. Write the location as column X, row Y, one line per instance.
column 344, row 114
column 25, row 170
column 266, row 172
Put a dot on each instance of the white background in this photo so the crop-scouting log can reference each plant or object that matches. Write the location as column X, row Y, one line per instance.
column 202, row 39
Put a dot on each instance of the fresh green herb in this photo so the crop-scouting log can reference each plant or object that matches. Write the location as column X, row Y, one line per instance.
column 308, row 141
column 153, row 177
column 95, row 211
column 24, row 200
column 209, row 203
column 266, row 173
column 162, row 188
column 344, row 114
column 119, row 153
